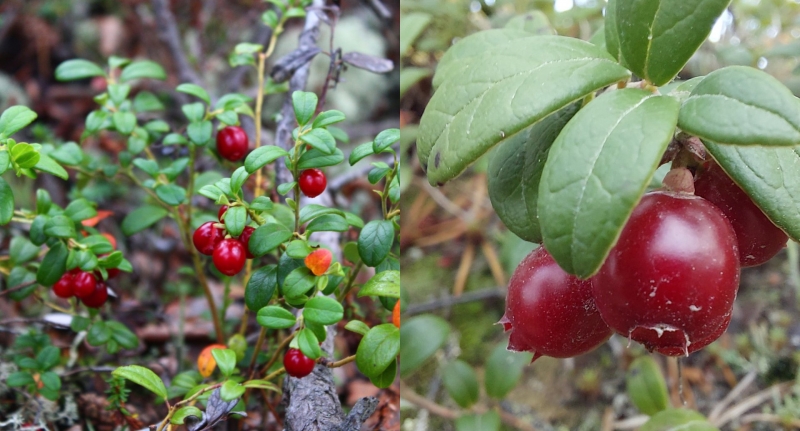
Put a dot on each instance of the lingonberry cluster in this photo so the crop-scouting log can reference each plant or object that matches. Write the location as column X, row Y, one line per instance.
column 228, row 254
column 669, row 282
column 83, row 285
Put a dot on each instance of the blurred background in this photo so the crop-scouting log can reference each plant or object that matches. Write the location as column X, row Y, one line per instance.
column 457, row 258
column 161, row 300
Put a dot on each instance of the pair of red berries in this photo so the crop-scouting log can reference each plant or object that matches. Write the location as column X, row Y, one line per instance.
column 669, row 282
column 82, row 285
column 297, row 364
column 228, row 254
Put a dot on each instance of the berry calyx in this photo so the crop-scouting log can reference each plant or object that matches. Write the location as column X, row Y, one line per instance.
column 758, row 238
column 550, row 312
column 229, row 256
column 670, row 281
column 83, row 284
column 206, row 237
column 319, row 261
column 98, row 297
column 245, row 240
column 64, row 287
column 232, row 143
column 297, row 364
column 221, row 213
column 312, row 182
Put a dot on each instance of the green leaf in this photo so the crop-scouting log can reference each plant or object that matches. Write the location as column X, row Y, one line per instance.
column 275, row 317
column 304, row 103
column 312, row 211
column 228, row 117
column 309, row 343
column 122, row 335
column 646, row 386
column 77, row 69
column 411, row 27
column 378, row 349
column 199, row 132
column 147, row 165
column 323, row 310
column 118, row 93
column 387, row 377
column 263, row 156
column 533, row 22
column 386, row 283
column 328, row 223
column 298, row 249
column 182, row 413
column 124, row 122
column 261, row 384
column 51, row 380
column 141, row 218
column 285, row 188
column 482, row 103
column 194, row 90
column 678, row 420
column 360, row 152
column 611, row 30
column 6, row 202
column 146, row 101
column 235, row 220
column 14, row 119
column 99, row 334
column 375, row 241
column 744, row 106
column 21, row 250
column 20, row 378
column 79, row 210
column 238, row 178
column 489, row 421
column 226, row 360
column 50, row 166
column 657, row 38
column 298, row 282
column 60, row 226
column 247, row 48
column 48, row 357
column 503, row 370
column 261, row 287
column 320, row 139
column 327, row 118
column 5, row 161
column 53, row 265
column 769, row 175
column 315, row 158
column 24, row 155
column 385, row 139
column 142, row 69
column 420, row 337
column 461, row 383
column 584, row 197
column 268, row 237
column 515, row 168
column 261, row 203
column 194, row 112
column 144, row 377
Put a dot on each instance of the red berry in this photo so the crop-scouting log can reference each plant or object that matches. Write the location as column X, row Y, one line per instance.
column 759, row 239
column 64, row 288
column 97, row 298
column 206, row 237
column 297, row 364
column 312, row 182
column 229, row 256
column 84, row 284
column 221, row 213
column 550, row 312
column 112, row 272
column 245, row 240
column 232, row 143
column 670, row 281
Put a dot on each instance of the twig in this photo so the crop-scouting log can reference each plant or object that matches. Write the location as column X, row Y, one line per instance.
column 424, row 403
column 449, row 300
column 734, row 394
column 168, row 33
column 763, row 417
column 91, row 369
column 18, row 287
column 750, row 402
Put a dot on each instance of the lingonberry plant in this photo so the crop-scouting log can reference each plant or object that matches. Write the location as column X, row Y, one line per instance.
column 576, row 130
column 247, row 225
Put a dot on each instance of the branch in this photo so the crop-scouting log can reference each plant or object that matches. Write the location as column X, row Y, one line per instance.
column 18, row 287
column 449, row 300
column 169, row 35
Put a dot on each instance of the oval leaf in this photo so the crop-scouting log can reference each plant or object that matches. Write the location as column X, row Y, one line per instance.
column 275, row 317
column 646, row 386
column 584, row 197
column 260, row 287
column 267, row 237
column 141, row 218
column 144, row 377
column 378, row 349
column 744, row 106
column 262, row 156
column 461, row 383
column 77, row 69
column 386, row 283
column 504, row 371
column 323, row 310
column 375, row 241
column 497, row 94
column 6, row 202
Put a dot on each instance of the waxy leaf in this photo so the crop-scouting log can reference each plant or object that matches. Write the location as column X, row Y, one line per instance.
column 275, row 317
column 77, row 69
column 585, row 196
column 261, row 287
column 6, row 202
column 378, row 349
column 15, row 118
column 744, row 106
column 386, row 283
column 497, row 94
column 657, row 37
column 144, row 377
column 461, row 383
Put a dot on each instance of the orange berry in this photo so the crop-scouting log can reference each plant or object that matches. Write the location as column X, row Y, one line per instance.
column 319, row 261
column 396, row 314
column 111, row 239
column 206, row 362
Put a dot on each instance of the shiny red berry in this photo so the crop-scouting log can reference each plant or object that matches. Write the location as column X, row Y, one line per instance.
column 64, row 288
column 229, row 256
column 97, row 298
column 221, row 213
column 312, row 182
column 206, row 237
column 245, row 239
column 297, row 364
column 83, row 284
column 232, row 143
column 758, row 238
column 670, row 281
column 550, row 312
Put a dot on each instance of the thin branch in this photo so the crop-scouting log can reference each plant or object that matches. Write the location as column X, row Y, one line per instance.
column 751, row 402
column 449, row 300
column 18, row 287
column 169, row 35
